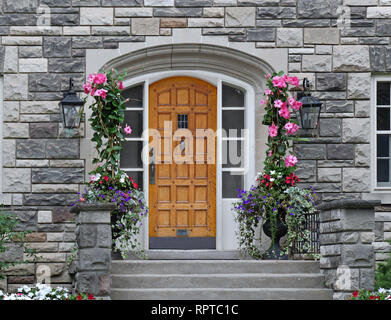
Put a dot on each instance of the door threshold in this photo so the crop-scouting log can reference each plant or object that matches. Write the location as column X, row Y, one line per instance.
column 188, row 254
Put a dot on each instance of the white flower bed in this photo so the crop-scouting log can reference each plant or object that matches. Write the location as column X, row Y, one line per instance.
column 37, row 292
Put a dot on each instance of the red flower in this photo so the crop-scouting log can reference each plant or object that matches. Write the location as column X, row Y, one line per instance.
column 135, row 185
column 90, row 297
column 100, row 182
column 106, row 178
column 371, row 297
column 79, row 297
column 292, row 179
column 355, row 294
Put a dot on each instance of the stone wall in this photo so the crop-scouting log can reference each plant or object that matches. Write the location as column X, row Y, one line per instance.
column 337, row 44
column 347, row 247
column 52, row 235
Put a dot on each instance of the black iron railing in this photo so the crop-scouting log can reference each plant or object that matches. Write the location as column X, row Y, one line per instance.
column 311, row 223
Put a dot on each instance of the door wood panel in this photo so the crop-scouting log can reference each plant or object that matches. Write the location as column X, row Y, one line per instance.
column 184, row 193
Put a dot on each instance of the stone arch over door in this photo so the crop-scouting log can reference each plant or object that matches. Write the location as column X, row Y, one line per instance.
column 197, row 57
column 195, row 60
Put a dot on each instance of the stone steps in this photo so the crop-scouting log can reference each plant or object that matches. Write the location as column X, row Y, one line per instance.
column 212, row 266
column 217, row 280
column 244, row 280
column 221, row 294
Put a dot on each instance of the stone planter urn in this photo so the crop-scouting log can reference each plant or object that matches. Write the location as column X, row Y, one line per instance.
column 274, row 251
column 92, row 265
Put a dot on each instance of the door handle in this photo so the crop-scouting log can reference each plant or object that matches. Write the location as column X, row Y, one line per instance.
column 152, row 167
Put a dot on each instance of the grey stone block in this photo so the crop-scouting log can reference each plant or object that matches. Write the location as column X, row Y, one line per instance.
column 351, row 58
column 177, row 12
column 43, row 130
column 104, row 236
column 94, row 259
column 38, row 199
column 44, row 82
column 264, row 34
column 86, row 235
column 383, row 28
column 193, row 3
column 87, row 42
column 276, row 13
column 14, row 253
column 55, row 47
column 99, row 217
column 340, row 151
column 330, row 127
column 318, row 8
column 367, row 279
column 310, row 151
column 331, row 81
column 18, row 6
column 66, row 65
column 357, row 255
column 120, row 3
column 30, row 149
column 64, row 19
column 62, row 149
column 57, row 175
column 339, row 106
column 27, row 220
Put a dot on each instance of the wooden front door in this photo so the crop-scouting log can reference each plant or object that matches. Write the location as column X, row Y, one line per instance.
column 182, row 175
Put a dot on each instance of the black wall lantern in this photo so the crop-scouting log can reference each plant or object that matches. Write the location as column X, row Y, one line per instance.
column 71, row 106
column 310, row 110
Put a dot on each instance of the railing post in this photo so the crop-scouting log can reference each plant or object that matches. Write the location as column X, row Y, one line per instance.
column 92, row 266
column 346, row 236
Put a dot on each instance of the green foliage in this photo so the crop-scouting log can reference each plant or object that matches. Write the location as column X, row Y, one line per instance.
column 275, row 197
column 383, row 274
column 106, row 120
column 109, row 183
column 8, row 225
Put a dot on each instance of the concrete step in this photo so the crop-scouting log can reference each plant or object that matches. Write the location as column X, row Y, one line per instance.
column 186, row 255
column 213, row 266
column 222, row 294
column 242, row 280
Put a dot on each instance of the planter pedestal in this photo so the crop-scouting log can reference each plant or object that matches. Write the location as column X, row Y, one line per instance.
column 92, row 266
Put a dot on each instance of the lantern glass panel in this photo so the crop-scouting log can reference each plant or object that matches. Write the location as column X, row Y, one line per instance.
column 71, row 115
column 309, row 116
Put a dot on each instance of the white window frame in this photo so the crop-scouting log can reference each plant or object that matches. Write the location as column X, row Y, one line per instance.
column 223, row 206
column 375, row 188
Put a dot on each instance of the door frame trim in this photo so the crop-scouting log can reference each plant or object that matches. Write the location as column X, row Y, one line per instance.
column 217, row 80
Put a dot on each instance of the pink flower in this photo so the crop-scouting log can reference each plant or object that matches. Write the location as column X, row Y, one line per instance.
column 82, row 199
column 290, row 161
column 268, row 76
column 268, row 92
column 273, row 129
column 291, row 128
column 120, row 85
column 284, row 112
column 297, row 105
column 294, row 81
column 91, row 77
column 100, row 78
column 87, row 87
column 101, row 93
column 279, row 82
column 291, row 101
column 128, row 129
column 278, row 104
column 270, row 153
column 263, row 102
